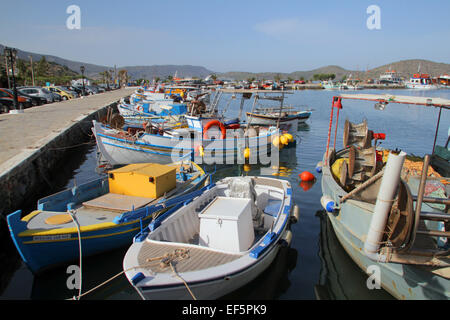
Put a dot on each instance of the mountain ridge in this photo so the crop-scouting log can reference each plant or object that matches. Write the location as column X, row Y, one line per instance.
column 404, row 67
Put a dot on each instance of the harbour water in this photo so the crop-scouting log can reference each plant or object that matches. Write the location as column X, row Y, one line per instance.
column 315, row 267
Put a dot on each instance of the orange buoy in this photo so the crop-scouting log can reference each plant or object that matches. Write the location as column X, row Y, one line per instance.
column 306, row 176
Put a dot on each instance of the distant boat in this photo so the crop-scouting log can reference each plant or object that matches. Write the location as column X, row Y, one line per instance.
column 106, row 213
column 214, row 244
column 390, row 77
column 420, row 81
column 288, row 120
column 444, row 81
column 330, row 85
column 286, row 117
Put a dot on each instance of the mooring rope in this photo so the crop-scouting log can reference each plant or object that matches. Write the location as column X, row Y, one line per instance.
column 165, row 260
column 72, row 215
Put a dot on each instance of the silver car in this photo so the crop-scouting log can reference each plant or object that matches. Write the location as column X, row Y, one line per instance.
column 38, row 92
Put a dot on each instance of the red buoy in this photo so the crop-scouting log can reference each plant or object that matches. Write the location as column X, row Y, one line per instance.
column 306, row 176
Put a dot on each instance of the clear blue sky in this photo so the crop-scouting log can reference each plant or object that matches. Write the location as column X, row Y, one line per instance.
column 245, row 35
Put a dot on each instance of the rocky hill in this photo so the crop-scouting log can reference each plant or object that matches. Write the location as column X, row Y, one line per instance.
column 405, row 68
column 163, row 71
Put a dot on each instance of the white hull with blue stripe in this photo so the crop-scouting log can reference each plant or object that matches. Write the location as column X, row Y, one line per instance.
column 215, row 243
column 117, row 147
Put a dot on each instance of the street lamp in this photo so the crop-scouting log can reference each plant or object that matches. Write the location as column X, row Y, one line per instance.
column 10, row 54
column 82, row 74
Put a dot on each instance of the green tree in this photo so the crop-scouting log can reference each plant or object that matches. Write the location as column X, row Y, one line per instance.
column 42, row 67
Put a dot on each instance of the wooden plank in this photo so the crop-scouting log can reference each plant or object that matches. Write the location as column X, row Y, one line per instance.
column 117, row 202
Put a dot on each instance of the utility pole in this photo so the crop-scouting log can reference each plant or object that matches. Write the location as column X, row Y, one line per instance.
column 32, row 72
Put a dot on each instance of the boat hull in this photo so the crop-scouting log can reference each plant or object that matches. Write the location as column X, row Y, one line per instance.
column 45, row 248
column 351, row 224
column 163, row 149
column 211, row 289
column 41, row 253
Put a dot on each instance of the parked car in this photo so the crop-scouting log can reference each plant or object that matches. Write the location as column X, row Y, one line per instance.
column 23, row 102
column 83, row 91
column 100, row 89
column 92, row 89
column 38, row 92
column 35, row 101
column 6, row 105
column 69, row 90
column 56, row 96
column 64, row 95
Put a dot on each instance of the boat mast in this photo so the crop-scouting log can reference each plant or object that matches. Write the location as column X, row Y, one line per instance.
column 281, row 109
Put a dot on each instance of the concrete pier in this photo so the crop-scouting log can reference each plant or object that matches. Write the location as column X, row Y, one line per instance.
column 33, row 143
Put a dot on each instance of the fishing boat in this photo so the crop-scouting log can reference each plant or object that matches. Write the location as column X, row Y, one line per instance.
column 389, row 210
column 216, row 145
column 290, row 118
column 284, row 117
column 330, row 85
column 390, row 77
column 214, row 244
column 420, row 81
column 444, row 81
column 209, row 138
column 102, row 214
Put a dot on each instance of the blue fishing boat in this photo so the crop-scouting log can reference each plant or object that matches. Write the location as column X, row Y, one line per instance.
column 389, row 210
column 102, row 214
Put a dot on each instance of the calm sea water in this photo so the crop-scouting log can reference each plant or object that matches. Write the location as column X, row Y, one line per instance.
column 315, row 266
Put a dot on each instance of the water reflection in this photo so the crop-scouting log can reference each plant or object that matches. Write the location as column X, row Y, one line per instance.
column 273, row 282
column 340, row 278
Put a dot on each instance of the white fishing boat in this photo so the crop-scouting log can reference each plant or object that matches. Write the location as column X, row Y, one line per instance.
column 214, row 244
column 390, row 77
column 421, row 81
column 330, row 85
column 211, row 143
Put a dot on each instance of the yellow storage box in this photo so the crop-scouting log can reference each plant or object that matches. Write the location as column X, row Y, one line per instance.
column 142, row 180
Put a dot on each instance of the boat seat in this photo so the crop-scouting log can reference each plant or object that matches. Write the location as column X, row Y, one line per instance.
column 117, row 202
column 244, row 187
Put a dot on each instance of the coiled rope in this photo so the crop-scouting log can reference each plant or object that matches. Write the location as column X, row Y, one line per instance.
column 165, row 260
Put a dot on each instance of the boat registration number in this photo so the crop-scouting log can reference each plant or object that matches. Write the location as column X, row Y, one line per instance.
column 53, row 237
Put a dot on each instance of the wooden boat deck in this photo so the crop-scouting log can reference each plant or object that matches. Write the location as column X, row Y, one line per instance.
column 152, row 255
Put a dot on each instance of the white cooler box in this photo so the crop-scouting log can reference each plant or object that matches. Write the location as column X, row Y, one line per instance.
column 226, row 224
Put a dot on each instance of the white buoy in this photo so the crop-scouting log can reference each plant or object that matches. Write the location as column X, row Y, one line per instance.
column 295, row 214
column 327, row 203
column 287, row 238
column 386, row 195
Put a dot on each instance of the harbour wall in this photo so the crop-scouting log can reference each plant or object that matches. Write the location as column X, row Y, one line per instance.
column 33, row 172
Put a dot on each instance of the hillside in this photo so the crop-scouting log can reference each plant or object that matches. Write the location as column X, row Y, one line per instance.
column 162, row 71
column 407, row 68
column 91, row 69
column 338, row 71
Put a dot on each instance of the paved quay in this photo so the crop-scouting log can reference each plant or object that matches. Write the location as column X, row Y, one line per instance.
column 22, row 133
column 33, row 144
